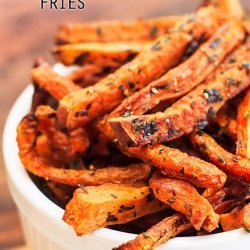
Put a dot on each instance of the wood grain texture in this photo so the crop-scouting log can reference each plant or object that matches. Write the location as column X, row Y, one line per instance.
column 27, row 32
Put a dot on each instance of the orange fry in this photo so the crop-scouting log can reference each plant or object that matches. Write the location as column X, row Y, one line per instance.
column 79, row 140
column 107, row 54
column 239, row 217
column 58, row 86
column 169, row 227
column 95, row 207
column 150, row 64
column 228, row 125
column 243, row 123
column 42, row 167
column 183, row 78
column 113, row 31
column 172, row 162
column 184, row 198
column 57, row 140
column 236, row 166
column 191, row 111
column 161, row 232
column 228, row 7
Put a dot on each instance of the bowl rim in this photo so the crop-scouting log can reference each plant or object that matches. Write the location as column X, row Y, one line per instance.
column 18, row 175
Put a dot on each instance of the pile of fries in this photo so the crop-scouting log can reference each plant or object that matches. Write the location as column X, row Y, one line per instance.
column 150, row 133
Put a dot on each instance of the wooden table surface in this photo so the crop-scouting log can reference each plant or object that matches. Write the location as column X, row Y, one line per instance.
column 27, row 32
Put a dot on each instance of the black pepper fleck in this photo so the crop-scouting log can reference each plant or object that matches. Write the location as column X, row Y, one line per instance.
column 221, row 159
column 156, row 46
column 127, row 113
column 201, row 124
column 153, row 31
column 215, row 44
column 246, row 66
column 182, row 171
column 211, row 113
column 111, row 218
column 81, row 113
column 212, row 95
column 161, row 150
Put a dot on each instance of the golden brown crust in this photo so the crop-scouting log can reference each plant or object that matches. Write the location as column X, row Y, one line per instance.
column 159, row 233
column 105, row 55
column 243, row 125
column 183, row 78
column 79, row 140
column 113, row 31
column 239, row 217
column 146, row 67
column 42, row 167
column 228, row 125
column 184, row 198
column 95, row 207
column 177, row 223
column 189, row 113
column 226, row 7
column 58, row 141
column 236, row 166
column 172, row 162
column 56, row 85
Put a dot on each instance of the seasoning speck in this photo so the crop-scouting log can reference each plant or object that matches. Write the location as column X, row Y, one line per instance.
column 215, row 44
column 212, row 95
column 153, row 31
column 156, row 46
column 111, row 218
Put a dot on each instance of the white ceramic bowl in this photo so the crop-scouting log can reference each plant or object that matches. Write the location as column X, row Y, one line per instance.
column 41, row 218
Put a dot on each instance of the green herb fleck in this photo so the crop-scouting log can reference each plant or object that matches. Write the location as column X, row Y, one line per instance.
column 156, row 46
column 153, row 31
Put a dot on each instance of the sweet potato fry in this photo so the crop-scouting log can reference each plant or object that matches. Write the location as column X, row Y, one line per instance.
column 89, row 74
column 236, row 166
column 58, row 86
column 227, row 198
column 114, row 31
column 63, row 145
column 161, row 232
column 227, row 205
column 172, row 162
column 184, row 198
column 95, row 207
column 42, row 97
column 107, row 54
column 79, row 140
column 189, row 113
column 42, row 167
column 147, row 66
column 166, row 229
column 243, row 124
column 228, row 7
column 228, row 125
column 209, row 192
column 42, row 146
column 183, row 78
column 239, row 217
